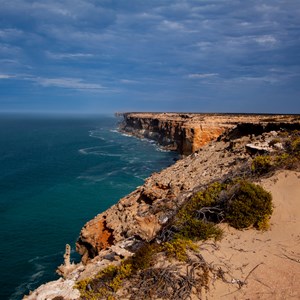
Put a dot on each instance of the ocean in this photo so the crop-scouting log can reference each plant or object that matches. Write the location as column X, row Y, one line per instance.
column 57, row 173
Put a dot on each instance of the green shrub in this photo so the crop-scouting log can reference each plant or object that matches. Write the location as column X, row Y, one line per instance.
column 295, row 145
column 206, row 198
column 187, row 221
column 106, row 282
column 209, row 196
column 249, row 205
column 196, row 230
column 143, row 258
column 261, row 164
column 178, row 248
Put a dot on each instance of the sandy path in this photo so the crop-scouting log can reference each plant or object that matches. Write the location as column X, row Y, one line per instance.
column 268, row 262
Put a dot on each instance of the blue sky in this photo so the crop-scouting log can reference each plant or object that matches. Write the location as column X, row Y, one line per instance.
column 139, row 55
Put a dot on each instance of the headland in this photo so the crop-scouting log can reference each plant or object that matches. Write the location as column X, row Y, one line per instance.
column 217, row 149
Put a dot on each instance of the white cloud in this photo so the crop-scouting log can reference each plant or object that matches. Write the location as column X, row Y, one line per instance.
column 145, row 16
column 69, row 83
column 202, row 75
column 10, row 33
column 128, row 81
column 266, row 40
column 256, row 79
column 69, row 55
column 6, row 76
column 165, row 24
column 266, row 8
column 54, row 8
column 9, row 50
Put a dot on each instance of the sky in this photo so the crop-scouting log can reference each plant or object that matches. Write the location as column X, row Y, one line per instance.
column 103, row 56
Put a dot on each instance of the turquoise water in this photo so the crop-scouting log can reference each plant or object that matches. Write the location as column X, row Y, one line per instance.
column 56, row 174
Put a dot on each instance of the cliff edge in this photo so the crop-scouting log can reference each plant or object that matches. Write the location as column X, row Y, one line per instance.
column 141, row 216
column 188, row 132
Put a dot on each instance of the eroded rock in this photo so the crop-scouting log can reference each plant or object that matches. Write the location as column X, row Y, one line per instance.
column 67, row 267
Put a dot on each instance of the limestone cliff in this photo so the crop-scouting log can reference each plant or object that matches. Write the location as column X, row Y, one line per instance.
column 139, row 216
column 186, row 133
column 142, row 213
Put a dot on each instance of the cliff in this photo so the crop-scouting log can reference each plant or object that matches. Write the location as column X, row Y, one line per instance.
column 118, row 232
column 186, row 133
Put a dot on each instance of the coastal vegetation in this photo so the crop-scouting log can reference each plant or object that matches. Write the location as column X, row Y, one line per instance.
column 237, row 201
column 287, row 155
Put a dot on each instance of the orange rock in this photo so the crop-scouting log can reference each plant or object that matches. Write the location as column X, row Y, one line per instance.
column 97, row 236
column 186, row 133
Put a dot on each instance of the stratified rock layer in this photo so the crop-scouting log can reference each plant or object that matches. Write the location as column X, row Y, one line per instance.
column 186, row 133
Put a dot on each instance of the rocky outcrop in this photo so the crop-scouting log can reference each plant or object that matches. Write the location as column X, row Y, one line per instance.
column 67, row 267
column 186, row 133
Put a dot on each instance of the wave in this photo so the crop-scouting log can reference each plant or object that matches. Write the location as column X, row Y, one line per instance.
column 114, row 131
column 97, row 178
column 96, row 134
column 94, row 151
column 159, row 149
column 40, row 269
column 128, row 135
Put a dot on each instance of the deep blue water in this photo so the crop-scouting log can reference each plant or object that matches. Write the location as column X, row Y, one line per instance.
column 56, row 173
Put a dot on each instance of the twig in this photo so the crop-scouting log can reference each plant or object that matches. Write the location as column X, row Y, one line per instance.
column 291, row 258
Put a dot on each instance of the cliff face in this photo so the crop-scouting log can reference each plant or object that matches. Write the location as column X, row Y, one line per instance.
column 186, row 133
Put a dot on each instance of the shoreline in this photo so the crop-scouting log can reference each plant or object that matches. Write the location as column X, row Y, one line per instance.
column 140, row 215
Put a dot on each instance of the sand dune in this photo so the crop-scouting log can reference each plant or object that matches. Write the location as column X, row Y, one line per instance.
column 262, row 265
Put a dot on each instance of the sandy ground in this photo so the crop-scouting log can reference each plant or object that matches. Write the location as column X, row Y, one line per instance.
column 262, row 265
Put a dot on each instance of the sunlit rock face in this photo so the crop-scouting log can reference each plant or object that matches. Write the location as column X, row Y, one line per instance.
column 186, row 133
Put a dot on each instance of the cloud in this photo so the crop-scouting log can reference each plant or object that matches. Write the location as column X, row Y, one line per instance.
column 258, row 79
column 180, row 45
column 6, row 76
column 266, row 40
column 69, row 55
column 128, row 81
column 69, row 83
column 202, row 75
column 10, row 33
column 170, row 25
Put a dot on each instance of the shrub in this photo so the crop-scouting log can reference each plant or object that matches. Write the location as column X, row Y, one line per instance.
column 196, row 230
column 106, row 283
column 261, row 164
column 295, row 145
column 274, row 141
column 206, row 198
column 249, row 205
column 143, row 258
column 194, row 227
column 178, row 248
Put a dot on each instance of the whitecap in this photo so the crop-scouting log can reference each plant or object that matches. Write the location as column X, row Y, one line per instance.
column 28, row 285
column 96, row 134
column 159, row 149
column 33, row 279
column 93, row 179
column 98, row 151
